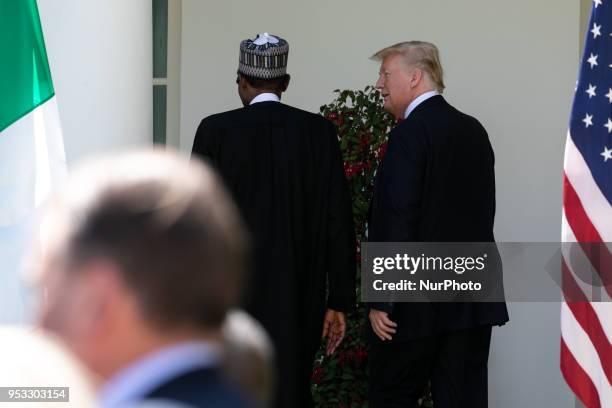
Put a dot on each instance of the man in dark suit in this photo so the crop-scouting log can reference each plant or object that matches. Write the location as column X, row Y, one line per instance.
column 436, row 183
column 284, row 168
column 143, row 256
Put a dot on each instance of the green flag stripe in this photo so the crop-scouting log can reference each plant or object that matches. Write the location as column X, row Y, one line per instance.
column 25, row 78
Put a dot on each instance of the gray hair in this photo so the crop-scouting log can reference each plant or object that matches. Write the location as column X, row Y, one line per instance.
column 423, row 55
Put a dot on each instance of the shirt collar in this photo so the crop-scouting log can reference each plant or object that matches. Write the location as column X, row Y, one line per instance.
column 265, row 97
column 418, row 100
column 134, row 382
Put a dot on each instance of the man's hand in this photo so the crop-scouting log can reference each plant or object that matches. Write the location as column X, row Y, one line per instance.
column 334, row 328
column 381, row 324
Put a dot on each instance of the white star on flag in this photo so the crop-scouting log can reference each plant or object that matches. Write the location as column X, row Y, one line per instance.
column 592, row 60
column 597, row 3
column 607, row 154
column 588, row 120
column 591, row 91
column 609, row 125
column 609, row 95
column 596, row 30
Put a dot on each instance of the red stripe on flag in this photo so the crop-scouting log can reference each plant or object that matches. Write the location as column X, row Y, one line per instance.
column 576, row 216
column 584, row 231
column 587, row 318
column 577, row 379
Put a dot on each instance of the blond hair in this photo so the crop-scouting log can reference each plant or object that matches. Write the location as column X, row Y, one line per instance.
column 421, row 54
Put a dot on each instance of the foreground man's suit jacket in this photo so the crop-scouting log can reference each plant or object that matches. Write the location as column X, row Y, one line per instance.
column 284, row 168
column 200, row 388
column 436, row 183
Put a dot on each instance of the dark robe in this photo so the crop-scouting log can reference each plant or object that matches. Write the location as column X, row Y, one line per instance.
column 284, row 169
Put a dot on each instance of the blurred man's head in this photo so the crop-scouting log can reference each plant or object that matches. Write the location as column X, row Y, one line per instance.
column 141, row 251
column 249, row 356
column 262, row 67
column 407, row 70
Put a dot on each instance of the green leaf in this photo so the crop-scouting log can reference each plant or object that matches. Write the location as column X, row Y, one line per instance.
column 362, row 115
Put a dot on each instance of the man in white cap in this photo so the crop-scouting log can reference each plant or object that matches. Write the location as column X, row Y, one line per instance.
column 284, row 168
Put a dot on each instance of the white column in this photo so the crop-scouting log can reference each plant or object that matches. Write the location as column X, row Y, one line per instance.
column 100, row 53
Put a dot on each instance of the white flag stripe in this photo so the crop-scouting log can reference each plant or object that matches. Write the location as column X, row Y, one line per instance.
column 32, row 160
column 594, row 202
column 567, row 233
column 604, row 312
column 582, row 349
column 50, row 154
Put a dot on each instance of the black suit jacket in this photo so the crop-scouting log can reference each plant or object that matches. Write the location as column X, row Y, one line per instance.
column 201, row 388
column 436, row 183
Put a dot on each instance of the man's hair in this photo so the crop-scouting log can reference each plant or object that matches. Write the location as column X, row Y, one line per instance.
column 169, row 228
column 260, row 83
column 421, row 54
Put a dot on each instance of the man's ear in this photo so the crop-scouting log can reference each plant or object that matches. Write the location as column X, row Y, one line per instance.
column 101, row 293
column 286, row 83
column 242, row 83
column 416, row 77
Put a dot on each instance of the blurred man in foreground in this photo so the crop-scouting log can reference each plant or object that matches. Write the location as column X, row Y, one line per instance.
column 142, row 257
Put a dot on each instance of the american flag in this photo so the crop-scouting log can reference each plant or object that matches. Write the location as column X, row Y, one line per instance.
column 586, row 326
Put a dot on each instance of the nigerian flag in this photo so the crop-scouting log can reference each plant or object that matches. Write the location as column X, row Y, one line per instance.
column 32, row 155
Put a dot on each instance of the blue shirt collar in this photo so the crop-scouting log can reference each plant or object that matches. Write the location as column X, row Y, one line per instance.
column 134, row 382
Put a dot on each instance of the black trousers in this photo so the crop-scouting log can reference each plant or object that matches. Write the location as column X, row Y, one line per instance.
column 454, row 362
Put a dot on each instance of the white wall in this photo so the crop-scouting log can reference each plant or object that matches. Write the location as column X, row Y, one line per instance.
column 100, row 54
column 512, row 64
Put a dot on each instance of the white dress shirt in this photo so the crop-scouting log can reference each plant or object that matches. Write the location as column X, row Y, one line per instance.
column 418, row 100
column 265, row 97
column 137, row 380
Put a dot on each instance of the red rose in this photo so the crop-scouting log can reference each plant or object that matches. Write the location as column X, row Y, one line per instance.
column 364, row 141
column 317, row 374
column 342, row 359
column 382, row 150
column 360, row 354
